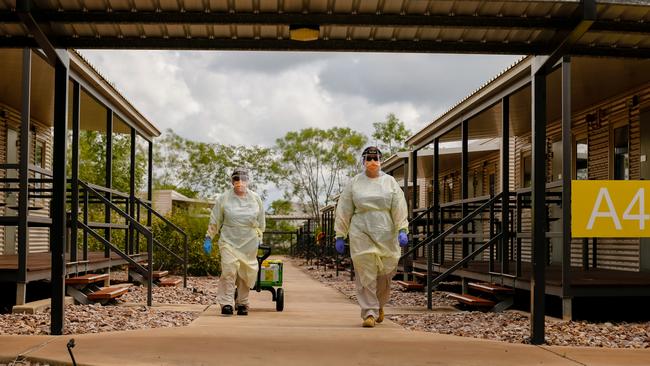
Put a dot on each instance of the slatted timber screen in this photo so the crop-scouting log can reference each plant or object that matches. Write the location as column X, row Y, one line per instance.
column 617, row 253
column 613, row 253
column 39, row 240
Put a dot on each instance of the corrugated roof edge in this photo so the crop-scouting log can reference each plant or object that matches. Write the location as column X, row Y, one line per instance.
column 142, row 119
column 461, row 101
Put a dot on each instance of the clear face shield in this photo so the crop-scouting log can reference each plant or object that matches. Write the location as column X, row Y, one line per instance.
column 239, row 180
column 371, row 160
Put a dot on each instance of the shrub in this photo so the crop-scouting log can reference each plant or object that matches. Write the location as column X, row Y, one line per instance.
column 199, row 264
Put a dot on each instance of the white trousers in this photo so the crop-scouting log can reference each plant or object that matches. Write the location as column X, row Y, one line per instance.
column 228, row 281
column 374, row 296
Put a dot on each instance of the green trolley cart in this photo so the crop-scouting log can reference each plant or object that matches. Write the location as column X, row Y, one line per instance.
column 269, row 276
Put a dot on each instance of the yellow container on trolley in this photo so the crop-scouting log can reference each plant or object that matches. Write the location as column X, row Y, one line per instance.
column 271, row 273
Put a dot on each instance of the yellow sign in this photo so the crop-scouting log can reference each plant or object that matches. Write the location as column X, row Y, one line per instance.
column 610, row 208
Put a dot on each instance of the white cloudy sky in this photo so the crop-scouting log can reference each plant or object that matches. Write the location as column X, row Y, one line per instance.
column 256, row 97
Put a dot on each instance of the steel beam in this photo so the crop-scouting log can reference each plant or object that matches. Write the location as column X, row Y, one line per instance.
column 150, row 181
column 414, row 182
column 538, row 217
column 23, row 169
column 505, row 183
column 132, row 191
column 74, row 166
column 109, row 175
column 338, row 45
column 58, row 212
column 322, row 19
column 24, row 8
column 567, row 173
column 464, row 168
column 587, row 15
column 435, row 203
column 407, row 263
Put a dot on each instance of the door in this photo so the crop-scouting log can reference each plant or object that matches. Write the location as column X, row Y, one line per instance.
column 644, row 250
column 11, row 232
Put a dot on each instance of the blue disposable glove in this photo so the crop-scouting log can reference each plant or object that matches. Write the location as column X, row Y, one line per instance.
column 403, row 239
column 207, row 245
column 340, row 245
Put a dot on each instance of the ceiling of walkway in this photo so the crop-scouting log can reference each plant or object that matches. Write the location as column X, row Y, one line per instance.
column 450, row 26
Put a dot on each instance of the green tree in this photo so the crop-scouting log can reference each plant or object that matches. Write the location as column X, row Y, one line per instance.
column 392, row 134
column 205, row 168
column 317, row 161
column 92, row 160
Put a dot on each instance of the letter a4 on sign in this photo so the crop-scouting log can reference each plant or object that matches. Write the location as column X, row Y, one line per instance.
column 609, row 209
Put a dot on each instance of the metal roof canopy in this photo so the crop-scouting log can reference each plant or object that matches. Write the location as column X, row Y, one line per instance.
column 620, row 27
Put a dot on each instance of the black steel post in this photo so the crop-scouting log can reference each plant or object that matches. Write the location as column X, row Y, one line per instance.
column 74, row 166
column 567, row 161
column 132, row 190
column 538, row 204
column 23, row 175
column 414, row 197
column 464, row 167
column 519, row 207
column 150, row 182
column 85, row 233
column 430, row 247
column 59, row 187
column 436, row 197
column 149, row 268
column 505, row 183
column 109, row 177
column 406, row 263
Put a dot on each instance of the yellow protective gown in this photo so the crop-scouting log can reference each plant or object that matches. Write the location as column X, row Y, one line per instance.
column 239, row 223
column 372, row 211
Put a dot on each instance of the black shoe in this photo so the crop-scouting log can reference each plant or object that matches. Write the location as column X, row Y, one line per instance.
column 226, row 310
column 242, row 310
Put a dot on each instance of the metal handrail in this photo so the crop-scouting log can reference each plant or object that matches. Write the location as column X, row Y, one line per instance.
column 422, row 214
column 431, row 240
column 463, row 261
column 139, row 227
column 98, row 188
column 183, row 260
column 160, row 216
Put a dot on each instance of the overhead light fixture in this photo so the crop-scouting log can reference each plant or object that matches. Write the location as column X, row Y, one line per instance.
column 304, row 32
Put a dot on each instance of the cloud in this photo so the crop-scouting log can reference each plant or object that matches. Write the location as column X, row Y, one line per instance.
column 257, row 97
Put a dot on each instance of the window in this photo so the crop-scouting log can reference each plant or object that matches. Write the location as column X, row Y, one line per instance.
column 527, row 171
column 621, row 153
column 39, row 154
column 582, row 159
column 39, row 160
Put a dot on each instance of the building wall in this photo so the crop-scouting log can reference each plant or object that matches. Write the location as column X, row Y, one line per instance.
column 616, row 253
column 613, row 253
column 38, row 237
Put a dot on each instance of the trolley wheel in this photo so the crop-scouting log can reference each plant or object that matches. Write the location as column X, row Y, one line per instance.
column 279, row 300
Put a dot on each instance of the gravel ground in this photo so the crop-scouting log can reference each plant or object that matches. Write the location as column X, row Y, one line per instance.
column 200, row 290
column 96, row 318
column 398, row 297
column 19, row 362
column 508, row 326
column 81, row 319
column 514, row 327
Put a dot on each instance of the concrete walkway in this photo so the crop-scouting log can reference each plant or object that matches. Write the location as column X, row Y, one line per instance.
column 319, row 326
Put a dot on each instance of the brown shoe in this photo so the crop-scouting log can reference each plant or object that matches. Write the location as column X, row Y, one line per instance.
column 380, row 318
column 369, row 322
